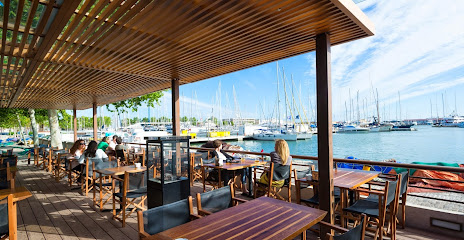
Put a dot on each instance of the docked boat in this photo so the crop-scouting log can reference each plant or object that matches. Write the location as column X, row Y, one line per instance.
column 384, row 127
column 352, row 129
column 271, row 136
column 403, row 127
column 451, row 121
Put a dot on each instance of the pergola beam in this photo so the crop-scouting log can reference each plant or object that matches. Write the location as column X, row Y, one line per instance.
column 175, row 107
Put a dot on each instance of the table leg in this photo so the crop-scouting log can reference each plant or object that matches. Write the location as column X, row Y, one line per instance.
column 250, row 183
column 343, row 205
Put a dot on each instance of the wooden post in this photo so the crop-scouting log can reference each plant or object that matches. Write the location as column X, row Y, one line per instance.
column 175, row 107
column 75, row 123
column 324, row 127
column 95, row 135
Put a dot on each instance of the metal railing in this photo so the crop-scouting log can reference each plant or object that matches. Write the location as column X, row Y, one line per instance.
column 369, row 163
column 375, row 163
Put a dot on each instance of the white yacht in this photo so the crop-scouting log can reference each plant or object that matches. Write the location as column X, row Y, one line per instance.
column 271, row 136
column 352, row 129
column 384, row 127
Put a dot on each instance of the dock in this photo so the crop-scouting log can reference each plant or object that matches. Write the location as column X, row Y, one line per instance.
column 228, row 138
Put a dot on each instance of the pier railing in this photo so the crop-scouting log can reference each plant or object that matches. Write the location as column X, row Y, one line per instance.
column 375, row 163
column 368, row 163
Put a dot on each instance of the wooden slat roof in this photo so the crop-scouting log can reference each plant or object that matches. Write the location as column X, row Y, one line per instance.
column 65, row 53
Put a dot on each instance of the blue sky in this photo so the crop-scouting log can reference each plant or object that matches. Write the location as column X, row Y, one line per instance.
column 417, row 50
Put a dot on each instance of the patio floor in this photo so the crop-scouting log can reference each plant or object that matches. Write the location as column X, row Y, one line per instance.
column 57, row 212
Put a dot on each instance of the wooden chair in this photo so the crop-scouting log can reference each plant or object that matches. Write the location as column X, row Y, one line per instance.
column 269, row 188
column 375, row 207
column 73, row 174
column 6, row 178
column 195, row 168
column 132, row 193
column 314, row 200
column 53, row 158
column 103, row 184
column 402, row 196
column 122, row 156
column 61, row 166
column 158, row 219
column 38, row 156
column 217, row 200
column 87, row 180
column 356, row 233
column 8, row 222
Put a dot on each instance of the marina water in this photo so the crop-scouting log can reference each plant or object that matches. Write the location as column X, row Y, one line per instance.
column 427, row 144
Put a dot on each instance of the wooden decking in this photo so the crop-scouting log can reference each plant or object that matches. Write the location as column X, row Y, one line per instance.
column 57, row 212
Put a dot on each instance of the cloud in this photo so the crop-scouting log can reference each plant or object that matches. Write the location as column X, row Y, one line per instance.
column 414, row 40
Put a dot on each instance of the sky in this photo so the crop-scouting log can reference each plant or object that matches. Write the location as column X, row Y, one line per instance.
column 416, row 55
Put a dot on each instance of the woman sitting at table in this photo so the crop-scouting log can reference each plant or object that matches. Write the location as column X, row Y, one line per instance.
column 93, row 153
column 78, row 148
column 119, row 145
column 281, row 159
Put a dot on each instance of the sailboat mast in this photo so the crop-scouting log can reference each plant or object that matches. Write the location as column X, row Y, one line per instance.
column 377, row 103
column 443, row 101
column 357, row 102
column 278, row 97
column 399, row 102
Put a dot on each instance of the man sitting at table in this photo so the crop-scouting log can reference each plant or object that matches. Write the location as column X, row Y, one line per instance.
column 223, row 156
column 112, row 143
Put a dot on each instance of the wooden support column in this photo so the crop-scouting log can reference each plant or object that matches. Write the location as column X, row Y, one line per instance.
column 175, row 107
column 324, row 127
column 95, row 126
column 75, row 123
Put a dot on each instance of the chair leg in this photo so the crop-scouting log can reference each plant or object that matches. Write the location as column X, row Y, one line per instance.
column 403, row 213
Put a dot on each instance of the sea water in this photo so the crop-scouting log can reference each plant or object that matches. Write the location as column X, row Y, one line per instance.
column 427, row 144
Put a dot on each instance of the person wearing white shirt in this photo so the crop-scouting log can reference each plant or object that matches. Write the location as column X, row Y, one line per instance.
column 112, row 143
column 94, row 154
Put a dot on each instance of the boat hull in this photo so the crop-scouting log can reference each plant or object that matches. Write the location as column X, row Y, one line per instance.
column 272, row 137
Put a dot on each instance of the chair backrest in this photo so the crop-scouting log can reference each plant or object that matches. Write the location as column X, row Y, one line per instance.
column 121, row 154
column 89, row 163
column 164, row 217
column 404, row 176
column 356, row 233
column 282, row 171
column 391, row 194
column 4, row 226
column 12, row 160
column 9, row 152
column 216, row 200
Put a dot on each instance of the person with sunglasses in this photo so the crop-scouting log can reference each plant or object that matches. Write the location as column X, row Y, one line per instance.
column 78, row 148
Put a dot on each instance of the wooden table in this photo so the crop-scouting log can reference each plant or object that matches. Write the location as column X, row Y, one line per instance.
column 345, row 179
column 241, row 164
column 19, row 193
column 120, row 170
column 261, row 218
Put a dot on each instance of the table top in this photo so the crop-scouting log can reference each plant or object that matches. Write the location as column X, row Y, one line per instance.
column 239, row 165
column 261, row 218
column 350, row 178
column 121, row 170
column 19, row 193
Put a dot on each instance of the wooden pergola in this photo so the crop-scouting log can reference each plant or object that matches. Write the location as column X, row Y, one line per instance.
column 77, row 54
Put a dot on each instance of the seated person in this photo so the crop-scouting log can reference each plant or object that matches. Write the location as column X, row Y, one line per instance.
column 93, row 153
column 280, row 157
column 119, row 145
column 78, row 148
column 103, row 145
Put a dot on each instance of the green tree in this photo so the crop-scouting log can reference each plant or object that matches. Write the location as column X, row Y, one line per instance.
column 184, row 119
column 150, row 99
column 193, row 120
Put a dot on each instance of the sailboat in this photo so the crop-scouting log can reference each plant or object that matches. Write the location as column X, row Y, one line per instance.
column 279, row 133
column 377, row 126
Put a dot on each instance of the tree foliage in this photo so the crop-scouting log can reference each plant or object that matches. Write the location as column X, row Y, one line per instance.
column 134, row 103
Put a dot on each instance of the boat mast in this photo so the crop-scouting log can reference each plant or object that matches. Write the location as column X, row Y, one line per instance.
column 357, row 102
column 399, row 102
column 377, row 103
column 278, row 97
column 443, row 101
